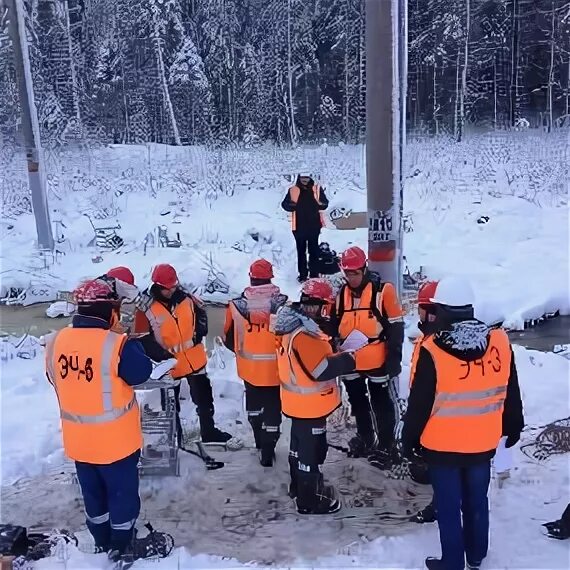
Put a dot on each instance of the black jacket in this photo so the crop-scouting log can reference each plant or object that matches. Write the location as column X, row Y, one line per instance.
column 393, row 333
column 307, row 209
column 467, row 340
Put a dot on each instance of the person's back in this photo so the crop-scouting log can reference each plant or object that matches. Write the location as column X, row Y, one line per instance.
column 247, row 333
column 93, row 371
column 464, row 396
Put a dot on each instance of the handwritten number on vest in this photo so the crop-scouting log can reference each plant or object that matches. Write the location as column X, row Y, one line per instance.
column 494, row 362
column 68, row 363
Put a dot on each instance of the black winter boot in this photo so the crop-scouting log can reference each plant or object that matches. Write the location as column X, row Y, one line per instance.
column 359, row 446
column 215, row 435
column 267, row 455
column 314, row 497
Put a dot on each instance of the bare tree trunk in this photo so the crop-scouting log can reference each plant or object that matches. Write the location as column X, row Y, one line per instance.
column 435, row 103
column 464, row 71
column 495, row 92
column 456, row 127
column 74, row 84
column 514, row 87
column 346, row 94
column 292, row 127
column 568, row 91
column 551, row 70
column 165, row 89
column 125, row 102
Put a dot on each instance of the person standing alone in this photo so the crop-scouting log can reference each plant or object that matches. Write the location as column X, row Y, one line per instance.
column 306, row 201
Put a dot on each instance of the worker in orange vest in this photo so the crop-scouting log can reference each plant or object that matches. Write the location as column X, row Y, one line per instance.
column 369, row 305
column 427, row 326
column 464, row 396
column 176, row 323
column 93, row 371
column 305, row 202
column 247, row 334
column 308, row 368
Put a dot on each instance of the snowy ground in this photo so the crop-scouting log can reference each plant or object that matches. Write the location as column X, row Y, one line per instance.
column 225, row 205
column 241, row 513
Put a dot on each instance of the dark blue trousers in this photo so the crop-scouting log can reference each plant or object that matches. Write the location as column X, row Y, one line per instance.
column 112, row 503
column 462, row 491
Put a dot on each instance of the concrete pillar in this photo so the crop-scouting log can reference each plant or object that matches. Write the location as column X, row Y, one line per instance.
column 29, row 126
column 385, row 133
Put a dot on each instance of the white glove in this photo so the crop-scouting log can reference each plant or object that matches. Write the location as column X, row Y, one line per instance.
column 162, row 368
column 126, row 291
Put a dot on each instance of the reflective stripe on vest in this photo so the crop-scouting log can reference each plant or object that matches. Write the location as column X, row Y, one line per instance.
column 174, row 331
column 292, row 385
column 466, row 416
column 109, row 412
column 353, row 316
column 240, row 321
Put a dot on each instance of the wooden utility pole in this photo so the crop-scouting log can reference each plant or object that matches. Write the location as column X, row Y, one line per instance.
column 386, row 71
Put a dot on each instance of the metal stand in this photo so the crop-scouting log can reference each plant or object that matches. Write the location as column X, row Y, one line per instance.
column 159, row 455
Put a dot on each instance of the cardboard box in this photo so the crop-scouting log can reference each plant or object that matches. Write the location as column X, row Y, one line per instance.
column 353, row 221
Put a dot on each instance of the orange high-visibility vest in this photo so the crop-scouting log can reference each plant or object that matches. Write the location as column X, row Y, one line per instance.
column 467, row 412
column 415, row 357
column 359, row 314
column 300, row 357
column 175, row 333
column 295, row 192
column 254, row 347
column 100, row 418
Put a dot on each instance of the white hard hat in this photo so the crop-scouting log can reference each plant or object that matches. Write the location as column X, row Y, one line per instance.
column 454, row 292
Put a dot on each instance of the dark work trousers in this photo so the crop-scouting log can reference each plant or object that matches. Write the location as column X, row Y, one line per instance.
column 307, row 451
column 307, row 241
column 462, row 491
column 201, row 394
column 112, row 503
column 263, row 406
column 380, row 398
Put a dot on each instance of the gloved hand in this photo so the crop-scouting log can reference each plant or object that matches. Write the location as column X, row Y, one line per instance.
column 512, row 440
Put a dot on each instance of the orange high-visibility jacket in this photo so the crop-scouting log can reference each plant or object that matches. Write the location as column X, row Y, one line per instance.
column 254, row 347
column 175, row 331
column 362, row 314
column 301, row 356
column 467, row 412
column 100, row 418
column 295, row 192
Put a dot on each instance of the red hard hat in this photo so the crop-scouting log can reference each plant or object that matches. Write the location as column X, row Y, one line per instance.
column 353, row 259
column 318, row 289
column 122, row 274
column 261, row 269
column 94, row 291
column 165, row 276
column 426, row 292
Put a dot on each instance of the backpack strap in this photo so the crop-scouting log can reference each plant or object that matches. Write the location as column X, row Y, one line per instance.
column 377, row 307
